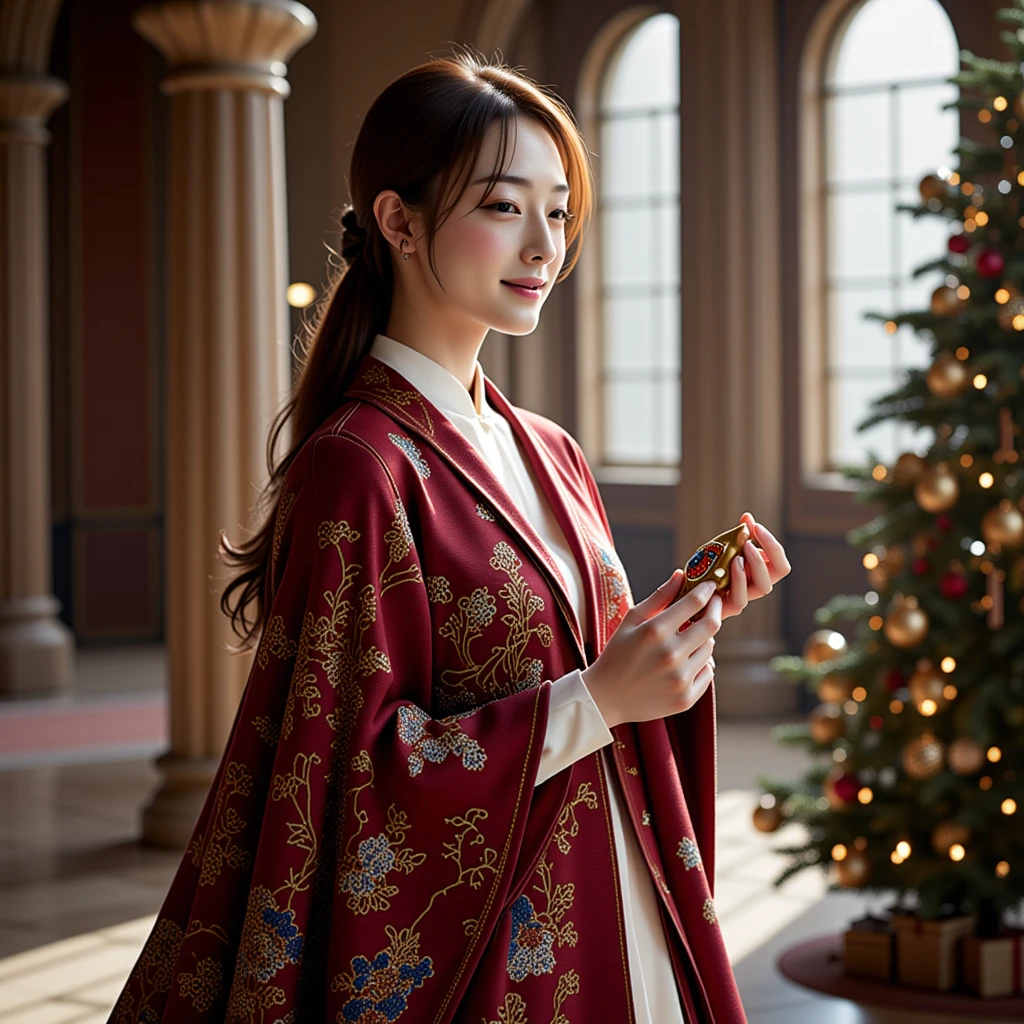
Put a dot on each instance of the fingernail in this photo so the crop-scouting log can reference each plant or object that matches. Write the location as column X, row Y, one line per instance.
column 706, row 588
column 742, row 564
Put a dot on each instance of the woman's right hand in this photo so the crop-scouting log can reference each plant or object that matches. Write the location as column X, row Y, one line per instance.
column 649, row 669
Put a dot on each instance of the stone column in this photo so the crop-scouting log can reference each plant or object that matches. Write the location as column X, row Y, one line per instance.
column 731, row 315
column 228, row 344
column 36, row 648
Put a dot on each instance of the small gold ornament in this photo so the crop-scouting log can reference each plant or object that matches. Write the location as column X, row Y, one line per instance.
column 947, row 377
column 1003, row 525
column 834, row 688
column 937, row 488
column 946, row 833
column 824, row 645
column 854, row 870
column 767, row 819
column 889, row 565
column 826, row 723
column 966, row 756
column 907, row 623
column 945, row 301
column 923, row 757
column 932, row 187
column 711, row 561
column 909, row 466
column 928, row 683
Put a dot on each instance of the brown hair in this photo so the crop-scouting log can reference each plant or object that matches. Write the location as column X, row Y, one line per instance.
column 421, row 137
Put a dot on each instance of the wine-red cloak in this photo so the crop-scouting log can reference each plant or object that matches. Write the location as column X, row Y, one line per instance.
column 373, row 848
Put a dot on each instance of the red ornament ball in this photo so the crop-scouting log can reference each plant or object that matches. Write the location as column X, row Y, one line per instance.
column 943, row 523
column 847, row 787
column 953, row 586
column 920, row 566
column 876, row 721
column 989, row 263
column 959, row 243
column 894, row 679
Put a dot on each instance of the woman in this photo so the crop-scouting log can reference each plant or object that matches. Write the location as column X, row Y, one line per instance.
column 467, row 780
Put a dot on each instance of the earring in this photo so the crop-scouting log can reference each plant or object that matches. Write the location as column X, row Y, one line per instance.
column 405, row 255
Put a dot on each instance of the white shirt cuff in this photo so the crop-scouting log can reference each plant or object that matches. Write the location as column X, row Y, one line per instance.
column 576, row 726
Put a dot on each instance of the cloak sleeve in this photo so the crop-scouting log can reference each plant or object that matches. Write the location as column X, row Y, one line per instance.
column 354, row 852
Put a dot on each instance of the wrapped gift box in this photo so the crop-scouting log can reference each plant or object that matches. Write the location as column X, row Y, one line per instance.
column 868, row 948
column 994, row 966
column 926, row 951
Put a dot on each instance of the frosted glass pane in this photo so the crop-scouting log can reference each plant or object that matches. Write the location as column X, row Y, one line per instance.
column 624, row 164
column 859, row 136
column 666, row 166
column 927, row 133
column 893, row 40
column 645, row 72
column 912, row 351
column 668, row 331
column 628, row 421
column 667, row 423
column 666, row 222
column 626, row 246
column 629, row 334
column 860, row 234
column 920, row 241
column 849, row 404
column 853, row 341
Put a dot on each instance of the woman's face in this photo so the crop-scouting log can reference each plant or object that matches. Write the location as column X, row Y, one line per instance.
column 516, row 234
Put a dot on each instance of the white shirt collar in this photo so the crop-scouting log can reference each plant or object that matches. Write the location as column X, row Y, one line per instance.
column 432, row 380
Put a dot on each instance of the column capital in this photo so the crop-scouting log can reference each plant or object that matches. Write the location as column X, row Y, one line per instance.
column 226, row 44
column 26, row 103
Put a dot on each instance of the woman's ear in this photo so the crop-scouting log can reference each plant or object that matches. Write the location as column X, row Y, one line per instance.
column 394, row 221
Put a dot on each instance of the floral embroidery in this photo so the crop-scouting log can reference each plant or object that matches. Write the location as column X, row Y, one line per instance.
column 513, row 1010
column 268, row 731
column 689, row 853
column 529, row 948
column 152, row 974
column 508, row 669
column 439, row 591
column 568, row 826
column 203, row 988
column 284, row 511
column 614, row 584
column 645, row 818
column 412, row 453
column 709, row 911
column 225, row 823
column 377, row 376
column 275, row 642
column 433, row 746
column 485, row 513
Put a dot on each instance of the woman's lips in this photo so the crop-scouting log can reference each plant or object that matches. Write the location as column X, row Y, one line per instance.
column 527, row 293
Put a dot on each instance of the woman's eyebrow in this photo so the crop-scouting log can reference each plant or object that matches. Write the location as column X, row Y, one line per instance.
column 512, row 179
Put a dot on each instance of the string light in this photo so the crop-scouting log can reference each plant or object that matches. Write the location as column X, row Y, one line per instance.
column 966, row 460
column 1002, row 296
column 870, row 560
column 1008, row 806
column 967, row 188
column 865, row 795
column 876, row 622
column 962, row 353
column 1018, row 320
column 949, row 691
column 948, row 664
column 879, row 472
column 859, row 694
column 903, row 848
column 981, row 219
column 999, row 103
column 986, row 480
column 956, row 852
column 984, row 116
column 963, row 292
column 839, row 852
column 1002, row 869
column 895, row 706
column 994, row 754
column 985, row 782
column 980, row 381
column 891, row 327
column 928, row 707
column 954, row 178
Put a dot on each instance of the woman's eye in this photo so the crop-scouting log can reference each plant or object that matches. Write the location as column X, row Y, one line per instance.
column 562, row 214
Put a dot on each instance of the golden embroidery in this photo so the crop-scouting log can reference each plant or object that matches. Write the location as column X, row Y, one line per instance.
column 296, row 786
column 203, row 988
column 709, row 911
column 152, row 973
column 632, row 771
column 284, row 510
column 513, row 1010
column 508, row 669
column 485, row 513
column 568, row 826
column 439, row 591
column 645, row 818
column 225, row 823
column 434, row 739
column 268, row 731
column 376, row 376
column 274, row 642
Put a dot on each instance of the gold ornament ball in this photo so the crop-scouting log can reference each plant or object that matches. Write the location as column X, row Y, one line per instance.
column 909, row 466
column 824, row 645
column 767, row 819
column 966, row 756
column 906, row 625
column 923, row 757
column 854, row 870
column 1003, row 525
column 945, row 301
column 948, row 377
column 826, row 723
column 932, row 187
column 937, row 488
column 946, row 833
column 834, row 688
column 927, row 683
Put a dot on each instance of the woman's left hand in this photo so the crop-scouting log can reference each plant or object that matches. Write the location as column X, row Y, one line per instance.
column 756, row 571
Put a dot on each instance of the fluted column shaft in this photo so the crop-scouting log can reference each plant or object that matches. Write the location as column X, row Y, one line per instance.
column 36, row 648
column 227, row 333
column 731, row 310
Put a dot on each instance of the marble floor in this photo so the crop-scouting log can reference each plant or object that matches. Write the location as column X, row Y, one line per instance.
column 78, row 892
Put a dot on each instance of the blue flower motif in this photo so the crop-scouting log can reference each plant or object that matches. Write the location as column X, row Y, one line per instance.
column 410, row 723
column 357, row 882
column 383, row 988
column 529, row 948
column 433, row 751
column 376, row 856
column 473, row 756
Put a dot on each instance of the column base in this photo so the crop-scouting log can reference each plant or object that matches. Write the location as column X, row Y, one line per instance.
column 745, row 684
column 171, row 816
column 36, row 648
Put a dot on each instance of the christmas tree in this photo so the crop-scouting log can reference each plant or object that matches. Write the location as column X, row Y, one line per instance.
column 918, row 742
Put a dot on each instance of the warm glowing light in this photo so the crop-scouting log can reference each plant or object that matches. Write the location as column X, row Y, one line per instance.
column 962, row 353
column 966, row 460
column 891, row 327
column 970, row 226
column 1008, row 806
column 984, row 116
column 895, row 706
column 876, row 622
column 981, row 219
column 896, row 858
column 985, row 782
column 903, row 848
column 967, row 188
column 954, row 178
column 864, row 795
column 839, row 852
column 999, row 103
column 949, row 691
column 859, row 693
column 963, row 291
column 1003, row 868
column 1018, row 320
column 980, row 380
column 928, row 707
column 300, row 295
column 986, row 567
column 994, row 754
column 956, row 852
column 947, row 664
column 1002, row 296
column 986, row 480
column 851, row 708
column 878, row 472
column 870, row 560
column 985, row 603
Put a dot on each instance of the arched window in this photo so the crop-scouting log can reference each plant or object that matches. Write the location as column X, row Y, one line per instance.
column 638, row 174
column 884, row 130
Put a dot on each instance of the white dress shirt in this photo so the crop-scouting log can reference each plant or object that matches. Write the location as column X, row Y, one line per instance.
column 576, row 727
